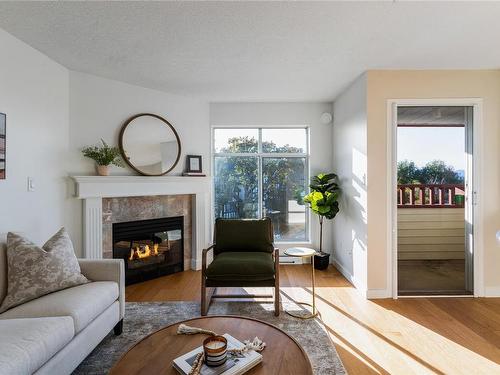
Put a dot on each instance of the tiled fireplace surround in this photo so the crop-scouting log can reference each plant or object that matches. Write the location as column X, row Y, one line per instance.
column 111, row 199
column 122, row 209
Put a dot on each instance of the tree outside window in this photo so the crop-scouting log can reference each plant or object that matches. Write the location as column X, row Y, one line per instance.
column 254, row 180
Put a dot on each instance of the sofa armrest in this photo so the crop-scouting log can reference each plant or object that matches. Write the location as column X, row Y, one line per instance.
column 106, row 270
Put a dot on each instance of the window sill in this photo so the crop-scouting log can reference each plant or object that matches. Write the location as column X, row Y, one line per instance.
column 291, row 244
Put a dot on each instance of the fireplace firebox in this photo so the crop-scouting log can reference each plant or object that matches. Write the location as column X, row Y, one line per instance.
column 150, row 248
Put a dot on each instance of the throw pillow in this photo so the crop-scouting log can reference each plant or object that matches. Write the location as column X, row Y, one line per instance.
column 34, row 271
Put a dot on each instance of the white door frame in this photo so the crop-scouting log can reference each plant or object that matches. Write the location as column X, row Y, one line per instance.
column 392, row 224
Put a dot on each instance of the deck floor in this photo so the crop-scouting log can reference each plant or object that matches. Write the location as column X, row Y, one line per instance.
column 421, row 277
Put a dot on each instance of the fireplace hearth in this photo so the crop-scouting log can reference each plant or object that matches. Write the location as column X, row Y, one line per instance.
column 150, row 248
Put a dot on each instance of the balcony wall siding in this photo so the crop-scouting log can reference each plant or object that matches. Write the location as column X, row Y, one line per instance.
column 431, row 233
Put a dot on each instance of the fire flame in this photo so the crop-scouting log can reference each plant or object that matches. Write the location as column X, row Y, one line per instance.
column 138, row 253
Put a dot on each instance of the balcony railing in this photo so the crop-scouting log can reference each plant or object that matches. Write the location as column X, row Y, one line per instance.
column 431, row 195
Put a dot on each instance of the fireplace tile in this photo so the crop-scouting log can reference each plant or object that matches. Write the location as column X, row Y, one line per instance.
column 123, row 209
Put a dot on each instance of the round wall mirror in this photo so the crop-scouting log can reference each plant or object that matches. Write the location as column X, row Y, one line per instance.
column 149, row 144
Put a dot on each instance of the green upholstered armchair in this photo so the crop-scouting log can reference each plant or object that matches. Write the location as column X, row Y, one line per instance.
column 244, row 256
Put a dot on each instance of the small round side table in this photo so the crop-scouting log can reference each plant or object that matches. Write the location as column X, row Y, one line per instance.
column 304, row 252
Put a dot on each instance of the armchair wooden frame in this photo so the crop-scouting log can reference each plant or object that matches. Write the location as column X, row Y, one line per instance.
column 208, row 293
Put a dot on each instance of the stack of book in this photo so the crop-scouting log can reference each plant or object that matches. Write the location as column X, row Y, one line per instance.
column 198, row 174
column 236, row 364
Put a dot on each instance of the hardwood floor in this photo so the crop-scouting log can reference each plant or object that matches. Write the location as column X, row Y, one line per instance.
column 404, row 336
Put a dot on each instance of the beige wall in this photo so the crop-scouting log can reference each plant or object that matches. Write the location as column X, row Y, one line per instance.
column 384, row 85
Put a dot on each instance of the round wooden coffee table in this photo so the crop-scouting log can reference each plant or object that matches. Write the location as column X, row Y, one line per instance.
column 155, row 353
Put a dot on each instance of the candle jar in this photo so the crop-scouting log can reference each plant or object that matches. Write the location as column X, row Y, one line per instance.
column 215, row 349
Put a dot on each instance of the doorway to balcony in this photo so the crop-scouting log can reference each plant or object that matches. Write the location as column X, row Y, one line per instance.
column 434, row 219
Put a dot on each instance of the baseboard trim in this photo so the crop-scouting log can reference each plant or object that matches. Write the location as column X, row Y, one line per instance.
column 344, row 271
column 291, row 260
column 349, row 277
column 367, row 293
column 196, row 264
column 378, row 293
column 492, row 291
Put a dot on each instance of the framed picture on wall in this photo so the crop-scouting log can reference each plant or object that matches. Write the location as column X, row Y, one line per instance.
column 3, row 144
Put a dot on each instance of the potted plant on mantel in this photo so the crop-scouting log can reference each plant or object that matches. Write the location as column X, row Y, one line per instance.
column 323, row 201
column 103, row 156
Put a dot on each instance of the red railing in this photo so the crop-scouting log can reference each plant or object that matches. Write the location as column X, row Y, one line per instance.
column 430, row 195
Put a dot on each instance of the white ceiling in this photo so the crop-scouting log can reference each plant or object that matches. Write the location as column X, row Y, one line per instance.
column 260, row 51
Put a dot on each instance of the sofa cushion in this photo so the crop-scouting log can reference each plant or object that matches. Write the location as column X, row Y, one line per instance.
column 26, row 344
column 243, row 266
column 83, row 303
column 34, row 271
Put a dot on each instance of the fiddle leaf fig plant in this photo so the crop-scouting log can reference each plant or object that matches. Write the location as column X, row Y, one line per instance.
column 323, row 199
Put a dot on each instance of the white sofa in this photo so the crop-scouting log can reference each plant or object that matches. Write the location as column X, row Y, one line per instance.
column 54, row 333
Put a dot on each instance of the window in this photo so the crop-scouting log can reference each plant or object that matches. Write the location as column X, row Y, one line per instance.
column 261, row 172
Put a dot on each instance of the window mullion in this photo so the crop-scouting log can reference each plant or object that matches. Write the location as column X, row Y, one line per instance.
column 259, row 144
column 261, row 195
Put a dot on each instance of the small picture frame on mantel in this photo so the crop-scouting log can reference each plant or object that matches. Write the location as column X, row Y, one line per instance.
column 194, row 166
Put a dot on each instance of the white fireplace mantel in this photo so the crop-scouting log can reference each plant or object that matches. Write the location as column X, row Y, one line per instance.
column 91, row 189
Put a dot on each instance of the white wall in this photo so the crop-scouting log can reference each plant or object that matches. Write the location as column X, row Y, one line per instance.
column 279, row 114
column 99, row 107
column 34, row 95
column 350, row 163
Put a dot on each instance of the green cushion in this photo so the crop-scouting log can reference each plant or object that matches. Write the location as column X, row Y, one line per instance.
column 243, row 235
column 241, row 266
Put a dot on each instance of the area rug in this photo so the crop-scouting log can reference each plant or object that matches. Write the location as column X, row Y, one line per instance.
column 142, row 319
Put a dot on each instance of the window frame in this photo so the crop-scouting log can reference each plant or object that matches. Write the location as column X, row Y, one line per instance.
column 260, row 156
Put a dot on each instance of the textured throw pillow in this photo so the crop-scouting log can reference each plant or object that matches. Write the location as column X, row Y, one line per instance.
column 34, row 271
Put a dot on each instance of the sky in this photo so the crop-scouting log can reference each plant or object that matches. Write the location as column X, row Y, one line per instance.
column 422, row 145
